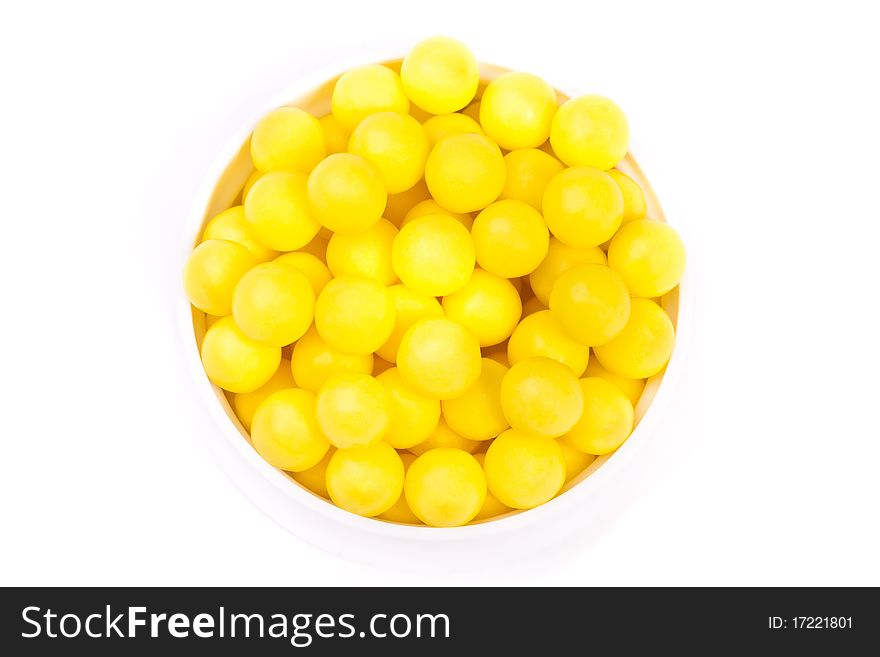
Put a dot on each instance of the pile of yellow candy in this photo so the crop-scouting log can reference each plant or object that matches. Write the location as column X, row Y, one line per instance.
column 402, row 308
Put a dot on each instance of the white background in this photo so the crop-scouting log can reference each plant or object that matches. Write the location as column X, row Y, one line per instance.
column 756, row 123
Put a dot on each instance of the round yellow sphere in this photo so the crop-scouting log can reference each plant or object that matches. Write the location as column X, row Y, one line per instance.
column 287, row 139
column 524, row 471
column 353, row 409
column 649, row 256
column 582, row 206
column 433, row 255
column 409, row 307
column 346, row 193
column 443, row 125
column 559, row 259
column 488, row 305
column 541, row 334
column 529, row 171
column 277, row 209
column 235, row 362
column 367, row 90
column 274, row 304
column 354, row 315
column 312, row 267
column 440, row 75
column 366, row 253
column 632, row 388
column 439, row 358
column 212, row 272
column 590, row 131
column 232, row 225
column 607, row 419
column 396, row 145
column 510, row 238
column 445, row 487
column 285, row 431
column 541, row 397
column 591, row 303
column 245, row 404
column 429, row 207
column 336, row 135
column 644, row 345
column 465, row 172
column 634, row 205
column 477, row 414
column 413, row 417
column 443, row 436
column 366, row 480
column 313, row 361
column 516, row 110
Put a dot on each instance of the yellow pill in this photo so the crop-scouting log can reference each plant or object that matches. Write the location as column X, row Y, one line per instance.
column 632, row 388
column 644, row 345
column 445, row 487
column 590, row 131
column 409, row 307
column 532, row 306
column 443, row 436
column 346, row 193
column 313, row 361
column 516, row 110
column 559, row 259
column 591, row 303
column 488, row 305
column 429, row 207
column 439, row 358
column 541, row 397
column 524, row 471
column 400, row 511
column 287, row 139
column 277, row 209
column 399, row 204
column 443, row 125
column 607, row 419
column 245, row 404
column 465, row 172
column 433, row 255
column 311, row 266
column 354, row 315
column 634, row 206
column 353, row 409
column 366, row 253
column 336, row 135
column 440, row 75
column 367, row 90
column 233, row 361
column 529, row 170
column 286, row 433
column 251, row 179
column 649, row 256
column 541, row 334
column 583, row 207
column 366, row 480
column 575, row 460
column 510, row 238
column 491, row 506
column 231, row 225
column 477, row 414
column 413, row 417
column 274, row 304
column 396, row 145
column 315, row 478
column 212, row 272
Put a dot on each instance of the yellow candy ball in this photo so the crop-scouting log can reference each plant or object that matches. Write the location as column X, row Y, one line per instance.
column 413, row 417
column 311, row 266
column 590, row 131
column 541, row 397
column 634, row 206
column 353, row 409
column 251, row 179
column 644, row 345
column 440, row 75
column 212, row 272
column 399, row 204
column 277, row 209
column 465, row 172
column 274, row 304
column 510, row 238
column 354, row 315
column 315, row 478
column 367, row 253
column 367, row 90
column 366, row 480
column 233, row 361
column 516, row 110
column 607, row 420
column 583, row 207
column 287, row 139
column 575, row 460
column 245, row 404
column 591, row 303
column 524, row 471
column 396, row 145
column 400, row 511
column 313, row 361
column 433, row 255
column 649, row 256
column 477, row 414
column 445, row 487
column 491, row 506
column 443, row 436
column 488, row 305
column 632, row 388
column 346, row 193
column 529, row 170
column 286, row 433
column 409, row 307
column 442, row 125
column 231, row 225
column 336, row 135
column 439, row 358
column 429, row 207
column 559, row 259
column 541, row 334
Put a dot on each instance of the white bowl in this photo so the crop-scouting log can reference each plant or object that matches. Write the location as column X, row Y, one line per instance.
column 554, row 528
